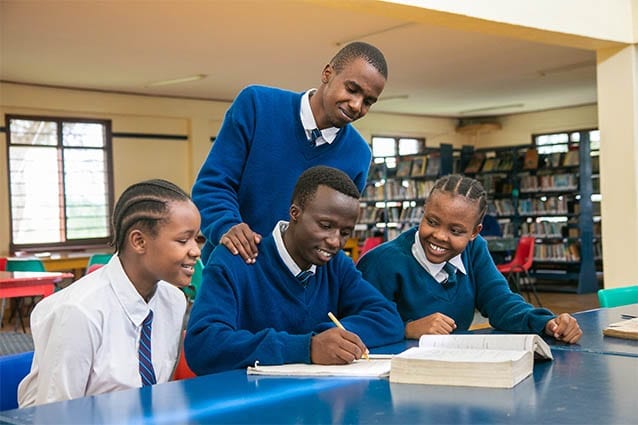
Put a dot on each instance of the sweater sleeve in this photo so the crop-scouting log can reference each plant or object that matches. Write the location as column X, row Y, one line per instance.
column 365, row 311
column 215, row 191
column 506, row 310
column 214, row 340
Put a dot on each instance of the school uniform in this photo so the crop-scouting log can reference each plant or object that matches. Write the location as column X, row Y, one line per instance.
column 400, row 270
column 86, row 337
column 264, row 312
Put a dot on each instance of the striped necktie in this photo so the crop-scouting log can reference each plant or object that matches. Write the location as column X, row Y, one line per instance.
column 451, row 272
column 147, row 373
column 314, row 135
column 303, row 276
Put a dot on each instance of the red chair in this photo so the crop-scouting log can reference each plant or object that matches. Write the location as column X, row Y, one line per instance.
column 370, row 243
column 182, row 371
column 517, row 271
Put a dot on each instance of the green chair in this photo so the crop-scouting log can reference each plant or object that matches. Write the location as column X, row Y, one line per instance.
column 196, row 282
column 101, row 258
column 614, row 297
column 22, row 265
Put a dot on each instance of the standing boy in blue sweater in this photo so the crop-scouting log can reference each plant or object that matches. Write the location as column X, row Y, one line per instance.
column 441, row 272
column 275, row 311
column 266, row 141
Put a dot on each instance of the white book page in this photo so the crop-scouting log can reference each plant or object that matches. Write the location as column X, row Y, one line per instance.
column 374, row 367
column 526, row 342
column 462, row 355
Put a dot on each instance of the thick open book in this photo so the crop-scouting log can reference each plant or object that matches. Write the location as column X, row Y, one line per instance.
column 377, row 366
column 498, row 361
column 626, row 329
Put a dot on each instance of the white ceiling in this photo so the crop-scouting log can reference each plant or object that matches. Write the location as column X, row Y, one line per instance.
column 123, row 46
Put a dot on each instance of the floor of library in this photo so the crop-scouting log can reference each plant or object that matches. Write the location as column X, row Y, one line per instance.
column 557, row 302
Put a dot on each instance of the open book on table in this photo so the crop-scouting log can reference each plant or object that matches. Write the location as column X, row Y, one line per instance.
column 377, row 366
column 498, row 361
column 626, row 329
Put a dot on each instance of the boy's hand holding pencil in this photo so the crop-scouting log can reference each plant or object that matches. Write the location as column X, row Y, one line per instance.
column 336, row 346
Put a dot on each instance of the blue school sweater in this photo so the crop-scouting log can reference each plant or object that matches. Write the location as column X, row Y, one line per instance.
column 392, row 269
column 261, row 312
column 259, row 153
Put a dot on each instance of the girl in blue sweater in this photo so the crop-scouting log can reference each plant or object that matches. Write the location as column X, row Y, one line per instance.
column 441, row 272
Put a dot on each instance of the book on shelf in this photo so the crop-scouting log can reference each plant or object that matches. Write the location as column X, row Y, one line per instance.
column 433, row 165
column 626, row 329
column 475, row 164
column 403, row 168
column 571, row 158
column 419, row 166
column 377, row 171
column 530, row 161
column 490, row 164
column 494, row 361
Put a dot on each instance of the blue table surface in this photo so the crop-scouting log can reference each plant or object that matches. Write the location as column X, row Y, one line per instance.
column 578, row 386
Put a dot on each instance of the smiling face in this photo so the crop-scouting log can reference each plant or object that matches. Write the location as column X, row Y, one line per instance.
column 346, row 96
column 317, row 232
column 449, row 223
column 171, row 253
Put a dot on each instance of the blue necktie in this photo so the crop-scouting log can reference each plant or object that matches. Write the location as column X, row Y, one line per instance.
column 314, row 135
column 451, row 279
column 147, row 372
column 303, row 276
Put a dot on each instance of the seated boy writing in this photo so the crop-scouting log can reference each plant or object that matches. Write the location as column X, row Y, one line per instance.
column 275, row 311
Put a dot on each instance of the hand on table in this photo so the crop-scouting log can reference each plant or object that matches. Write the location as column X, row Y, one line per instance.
column 437, row 324
column 564, row 328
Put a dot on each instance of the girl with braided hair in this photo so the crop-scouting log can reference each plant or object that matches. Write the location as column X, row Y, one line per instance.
column 441, row 272
column 119, row 327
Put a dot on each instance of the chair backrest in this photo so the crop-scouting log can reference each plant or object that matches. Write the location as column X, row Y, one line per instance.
column 25, row 265
column 3, row 263
column 614, row 297
column 13, row 368
column 182, row 371
column 524, row 254
column 196, row 281
column 93, row 267
column 370, row 243
column 101, row 258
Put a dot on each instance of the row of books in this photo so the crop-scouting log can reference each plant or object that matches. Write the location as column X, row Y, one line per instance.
column 530, row 159
column 419, row 166
column 398, row 190
column 559, row 252
column 537, row 206
column 544, row 229
column 548, row 182
column 395, row 214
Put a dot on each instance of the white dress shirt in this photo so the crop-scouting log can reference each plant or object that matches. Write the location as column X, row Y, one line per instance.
column 86, row 337
column 435, row 270
column 328, row 135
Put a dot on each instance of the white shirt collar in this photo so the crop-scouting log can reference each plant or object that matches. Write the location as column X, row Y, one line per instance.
column 328, row 135
column 277, row 233
column 435, row 270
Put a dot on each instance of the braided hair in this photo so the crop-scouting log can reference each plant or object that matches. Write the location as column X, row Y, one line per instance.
column 467, row 187
column 144, row 204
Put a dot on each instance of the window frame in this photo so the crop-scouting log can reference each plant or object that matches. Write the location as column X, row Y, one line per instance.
column 75, row 244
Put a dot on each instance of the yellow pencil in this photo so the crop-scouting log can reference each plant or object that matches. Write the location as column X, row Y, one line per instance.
column 340, row 326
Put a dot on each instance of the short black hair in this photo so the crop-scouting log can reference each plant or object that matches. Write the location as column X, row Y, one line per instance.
column 464, row 186
column 144, row 204
column 322, row 175
column 365, row 51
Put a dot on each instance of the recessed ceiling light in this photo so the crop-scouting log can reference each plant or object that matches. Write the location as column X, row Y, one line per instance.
column 188, row 79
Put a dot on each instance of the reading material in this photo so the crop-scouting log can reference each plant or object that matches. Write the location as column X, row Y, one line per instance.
column 377, row 366
column 627, row 329
column 497, row 361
